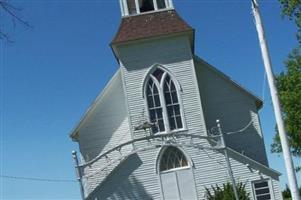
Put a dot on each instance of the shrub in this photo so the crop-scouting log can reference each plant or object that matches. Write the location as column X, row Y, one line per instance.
column 226, row 192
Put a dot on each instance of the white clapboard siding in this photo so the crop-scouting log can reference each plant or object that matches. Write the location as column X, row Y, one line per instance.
column 174, row 54
column 137, row 177
column 223, row 99
column 104, row 127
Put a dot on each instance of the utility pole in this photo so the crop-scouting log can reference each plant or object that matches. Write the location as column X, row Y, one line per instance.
column 276, row 104
column 78, row 174
column 224, row 147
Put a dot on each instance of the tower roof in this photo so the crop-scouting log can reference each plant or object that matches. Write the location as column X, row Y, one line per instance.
column 150, row 25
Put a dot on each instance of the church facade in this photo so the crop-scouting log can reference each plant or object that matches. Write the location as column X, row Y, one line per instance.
column 152, row 133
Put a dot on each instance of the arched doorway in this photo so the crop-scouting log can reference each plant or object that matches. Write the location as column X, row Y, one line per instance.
column 176, row 175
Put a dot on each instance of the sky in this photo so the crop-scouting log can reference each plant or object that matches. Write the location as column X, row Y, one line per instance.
column 52, row 72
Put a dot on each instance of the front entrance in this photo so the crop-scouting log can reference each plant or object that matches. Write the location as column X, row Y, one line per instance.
column 176, row 176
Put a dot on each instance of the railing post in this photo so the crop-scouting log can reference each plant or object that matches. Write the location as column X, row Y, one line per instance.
column 223, row 145
column 78, row 174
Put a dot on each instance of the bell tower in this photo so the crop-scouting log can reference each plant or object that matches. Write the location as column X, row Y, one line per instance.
column 136, row 7
column 153, row 36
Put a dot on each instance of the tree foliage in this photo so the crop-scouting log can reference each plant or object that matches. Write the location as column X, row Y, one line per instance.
column 286, row 194
column 289, row 90
column 292, row 9
column 289, row 86
column 226, row 192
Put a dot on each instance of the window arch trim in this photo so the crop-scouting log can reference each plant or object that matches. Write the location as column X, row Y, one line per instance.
column 149, row 74
column 178, row 87
column 161, row 153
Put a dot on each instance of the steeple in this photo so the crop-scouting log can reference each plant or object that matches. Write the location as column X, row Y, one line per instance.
column 136, row 7
column 149, row 19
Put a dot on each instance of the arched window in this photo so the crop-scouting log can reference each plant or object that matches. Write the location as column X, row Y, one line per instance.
column 172, row 104
column 154, row 107
column 163, row 102
column 172, row 158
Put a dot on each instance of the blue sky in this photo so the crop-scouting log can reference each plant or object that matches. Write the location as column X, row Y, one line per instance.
column 52, row 73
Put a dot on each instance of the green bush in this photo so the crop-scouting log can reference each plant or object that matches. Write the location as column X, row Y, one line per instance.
column 287, row 193
column 226, row 192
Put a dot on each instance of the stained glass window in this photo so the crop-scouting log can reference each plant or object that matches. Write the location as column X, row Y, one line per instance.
column 172, row 158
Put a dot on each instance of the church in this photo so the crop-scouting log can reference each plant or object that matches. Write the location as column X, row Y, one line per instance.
column 168, row 125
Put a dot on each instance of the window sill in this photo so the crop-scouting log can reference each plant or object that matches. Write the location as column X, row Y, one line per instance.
column 173, row 131
column 175, row 169
column 148, row 12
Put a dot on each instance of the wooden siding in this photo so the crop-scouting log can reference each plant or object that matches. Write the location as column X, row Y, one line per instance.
column 137, row 177
column 235, row 109
column 174, row 54
column 105, row 127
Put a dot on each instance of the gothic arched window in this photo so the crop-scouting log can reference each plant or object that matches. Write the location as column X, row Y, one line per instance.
column 163, row 102
column 172, row 158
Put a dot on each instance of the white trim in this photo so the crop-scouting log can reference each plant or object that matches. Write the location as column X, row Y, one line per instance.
column 151, row 69
column 170, row 4
column 161, row 152
column 226, row 77
column 268, row 180
column 149, row 75
column 175, row 169
column 92, row 106
column 137, row 6
column 122, row 68
column 126, row 8
column 148, row 12
column 155, row 5
column 121, row 7
column 197, row 91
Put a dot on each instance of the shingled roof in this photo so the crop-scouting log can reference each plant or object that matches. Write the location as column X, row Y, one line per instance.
column 150, row 25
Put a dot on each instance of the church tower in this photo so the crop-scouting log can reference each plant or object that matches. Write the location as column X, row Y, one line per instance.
column 152, row 41
column 148, row 134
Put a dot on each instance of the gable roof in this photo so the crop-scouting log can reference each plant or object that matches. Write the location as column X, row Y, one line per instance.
column 116, row 77
column 258, row 101
column 150, row 25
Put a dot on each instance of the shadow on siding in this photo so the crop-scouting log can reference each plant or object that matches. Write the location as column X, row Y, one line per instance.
column 121, row 184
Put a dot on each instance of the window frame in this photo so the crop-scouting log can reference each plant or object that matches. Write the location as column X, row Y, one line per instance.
column 126, row 12
column 162, row 98
column 190, row 163
column 175, row 168
column 269, row 186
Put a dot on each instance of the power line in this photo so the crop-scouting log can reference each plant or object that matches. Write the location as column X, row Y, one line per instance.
column 38, row 179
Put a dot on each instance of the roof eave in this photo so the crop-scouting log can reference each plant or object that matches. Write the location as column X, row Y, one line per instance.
column 258, row 101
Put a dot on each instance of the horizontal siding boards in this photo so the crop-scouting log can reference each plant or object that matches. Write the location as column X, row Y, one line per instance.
column 175, row 55
column 210, row 169
column 136, row 177
column 276, row 189
column 104, row 128
column 166, row 52
column 222, row 100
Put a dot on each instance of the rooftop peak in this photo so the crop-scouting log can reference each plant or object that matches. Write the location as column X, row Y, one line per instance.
column 136, row 7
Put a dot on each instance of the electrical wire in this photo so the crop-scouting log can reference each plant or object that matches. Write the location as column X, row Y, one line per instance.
column 241, row 130
column 38, row 179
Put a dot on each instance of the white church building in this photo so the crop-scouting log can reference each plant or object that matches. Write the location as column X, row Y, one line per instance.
column 152, row 132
